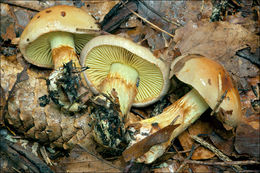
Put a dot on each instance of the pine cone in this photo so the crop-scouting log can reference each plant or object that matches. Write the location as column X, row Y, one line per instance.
column 47, row 125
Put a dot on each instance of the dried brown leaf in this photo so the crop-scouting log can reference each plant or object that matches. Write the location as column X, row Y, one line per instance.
column 216, row 40
column 13, row 20
column 247, row 22
column 248, row 97
column 201, row 168
column 32, row 5
column 99, row 8
column 140, row 148
column 82, row 161
column 199, row 127
column 224, row 145
column 181, row 11
column 247, row 140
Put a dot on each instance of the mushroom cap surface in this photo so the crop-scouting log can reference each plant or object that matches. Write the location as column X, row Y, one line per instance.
column 211, row 80
column 62, row 18
column 102, row 51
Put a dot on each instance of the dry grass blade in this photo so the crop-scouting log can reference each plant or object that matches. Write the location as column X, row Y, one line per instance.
column 155, row 12
column 150, row 23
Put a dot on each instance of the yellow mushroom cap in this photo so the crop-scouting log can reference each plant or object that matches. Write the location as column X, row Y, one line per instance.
column 211, row 80
column 34, row 39
column 102, row 51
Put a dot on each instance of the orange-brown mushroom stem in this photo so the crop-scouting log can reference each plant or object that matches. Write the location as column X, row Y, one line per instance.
column 63, row 49
column 189, row 108
column 63, row 55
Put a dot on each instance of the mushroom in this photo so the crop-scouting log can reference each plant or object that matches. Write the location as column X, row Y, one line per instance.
column 54, row 36
column 211, row 83
column 116, row 63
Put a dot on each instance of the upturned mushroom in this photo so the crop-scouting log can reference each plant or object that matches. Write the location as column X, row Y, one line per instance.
column 116, row 63
column 54, row 36
column 212, row 87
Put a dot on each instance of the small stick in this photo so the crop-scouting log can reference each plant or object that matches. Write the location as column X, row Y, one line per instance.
column 189, row 156
column 158, row 14
column 215, row 151
column 45, row 156
column 219, row 102
column 137, row 113
column 153, row 25
column 226, row 163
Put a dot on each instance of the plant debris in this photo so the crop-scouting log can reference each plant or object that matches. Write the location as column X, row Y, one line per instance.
column 140, row 148
column 109, row 129
column 63, row 86
column 224, row 30
column 247, row 140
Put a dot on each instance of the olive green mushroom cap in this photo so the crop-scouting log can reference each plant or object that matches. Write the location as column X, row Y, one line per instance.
column 211, row 80
column 34, row 43
column 102, row 51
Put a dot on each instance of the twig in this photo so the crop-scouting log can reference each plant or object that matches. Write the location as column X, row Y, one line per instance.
column 215, row 151
column 153, row 25
column 45, row 156
column 22, row 157
column 184, row 151
column 189, row 156
column 226, row 163
column 219, row 102
column 158, row 14
column 137, row 113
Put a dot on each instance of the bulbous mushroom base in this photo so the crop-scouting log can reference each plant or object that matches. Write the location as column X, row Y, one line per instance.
column 108, row 128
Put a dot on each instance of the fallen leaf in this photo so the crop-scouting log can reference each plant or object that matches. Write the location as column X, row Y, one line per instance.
column 219, row 41
column 33, row 5
column 179, row 11
column 253, row 121
column 216, row 40
column 140, row 148
column 241, row 68
column 200, row 168
column 224, row 145
column 10, row 33
column 248, row 97
column 199, row 127
column 247, row 22
column 247, row 140
column 13, row 20
column 81, row 161
column 169, row 15
column 99, row 8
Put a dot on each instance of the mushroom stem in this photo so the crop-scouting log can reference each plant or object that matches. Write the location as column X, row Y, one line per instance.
column 123, row 79
column 189, row 108
column 63, row 49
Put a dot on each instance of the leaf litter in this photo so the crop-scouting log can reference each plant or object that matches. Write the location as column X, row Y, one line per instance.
column 220, row 41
